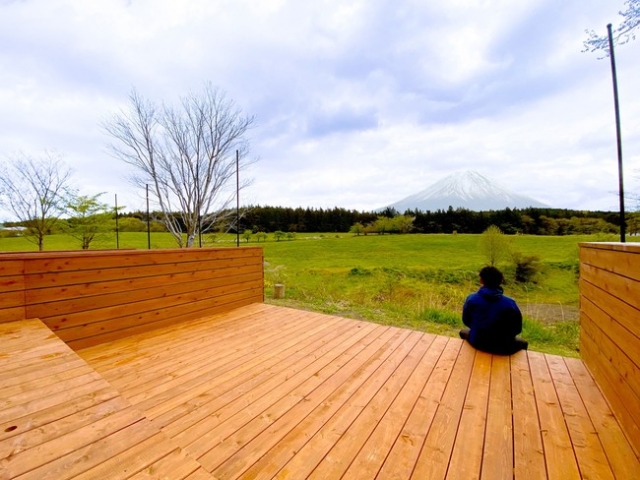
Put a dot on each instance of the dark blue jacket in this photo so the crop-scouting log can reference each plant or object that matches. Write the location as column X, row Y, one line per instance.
column 493, row 318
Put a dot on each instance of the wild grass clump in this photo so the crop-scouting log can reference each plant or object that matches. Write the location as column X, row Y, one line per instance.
column 440, row 316
column 360, row 272
column 561, row 338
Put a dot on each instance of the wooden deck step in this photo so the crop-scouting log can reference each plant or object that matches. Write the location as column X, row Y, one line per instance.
column 60, row 419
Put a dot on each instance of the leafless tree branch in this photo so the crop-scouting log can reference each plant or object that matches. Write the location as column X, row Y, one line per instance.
column 624, row 33
column 186, row 154
column 36, row 190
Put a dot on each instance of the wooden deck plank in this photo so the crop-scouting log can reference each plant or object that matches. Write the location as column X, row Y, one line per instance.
column 232, row 405
column 592, row 460
column 366, row 412
column 623, row 460
column 153, row 458
column 165, row 395
column 436, row 451
column 24, row 421
column 296, row 438
column 268, row 392
column 404, row 453
column 65, row 424
column 528, row 451
column 253, row 380
column 141, row 352
column 44, row 453
column 375, row 451
column 193, row 366
column 331, row 411
column 466, row 458
column 42, row 403
column 307, row 393
column 497, row 459
column 39, row 392
column 56, row 429
column 559, row 454
column 60, row 367
column 268, row 368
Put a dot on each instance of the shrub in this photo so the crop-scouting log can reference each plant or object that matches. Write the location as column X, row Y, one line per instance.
column 359, row 272
column 527, row 267
column 131, row 224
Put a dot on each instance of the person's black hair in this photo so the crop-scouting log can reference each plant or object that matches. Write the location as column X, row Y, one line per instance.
column 491, row 277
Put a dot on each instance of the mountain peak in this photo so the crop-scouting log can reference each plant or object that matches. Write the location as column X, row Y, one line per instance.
column 466, row 189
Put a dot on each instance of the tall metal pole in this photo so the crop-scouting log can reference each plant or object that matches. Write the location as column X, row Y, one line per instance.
column 619, row 137
column 148, row 221
column 117, row 235
column 237, row 199
column 199, row 214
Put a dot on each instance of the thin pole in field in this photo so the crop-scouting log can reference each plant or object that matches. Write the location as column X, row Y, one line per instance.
column 237, row 199
column 618, row 135
column 117, row 232
column 148, row 221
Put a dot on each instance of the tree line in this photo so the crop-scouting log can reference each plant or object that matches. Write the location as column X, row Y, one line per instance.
column 532, row 221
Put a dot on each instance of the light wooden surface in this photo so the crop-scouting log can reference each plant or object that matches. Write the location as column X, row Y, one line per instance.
column 270, row 392
column 91, row 297
column 60, row 419
column 610, row 326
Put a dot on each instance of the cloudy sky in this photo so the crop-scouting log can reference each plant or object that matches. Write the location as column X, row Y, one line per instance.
column 358, row 103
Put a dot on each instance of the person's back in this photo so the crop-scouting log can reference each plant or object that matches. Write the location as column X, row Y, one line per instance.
column 493, row 319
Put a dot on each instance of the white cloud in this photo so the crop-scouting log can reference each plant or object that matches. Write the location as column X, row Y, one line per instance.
column 357, row 104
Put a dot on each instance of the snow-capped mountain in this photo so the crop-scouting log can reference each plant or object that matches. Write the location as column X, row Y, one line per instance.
column 468, row 190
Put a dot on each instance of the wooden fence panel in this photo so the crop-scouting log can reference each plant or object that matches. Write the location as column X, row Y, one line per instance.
column 12, row 306
column 95, row 296
column 610, row 326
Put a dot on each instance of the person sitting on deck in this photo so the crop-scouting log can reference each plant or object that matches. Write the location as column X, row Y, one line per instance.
column 494, row 320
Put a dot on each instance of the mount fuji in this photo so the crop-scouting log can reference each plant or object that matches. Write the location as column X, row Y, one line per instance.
column 468, row 190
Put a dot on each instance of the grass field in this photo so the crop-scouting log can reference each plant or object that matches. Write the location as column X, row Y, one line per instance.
column 421, row 281
column 416, row 281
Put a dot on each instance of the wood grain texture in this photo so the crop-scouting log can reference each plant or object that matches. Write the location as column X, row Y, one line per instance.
column 62, row 424
column 610, row 333
column 268, row 392
column 98, row 296
column 302, row 395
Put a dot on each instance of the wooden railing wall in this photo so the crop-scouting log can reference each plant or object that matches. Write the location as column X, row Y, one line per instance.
column 610, row 326
column 92, row 297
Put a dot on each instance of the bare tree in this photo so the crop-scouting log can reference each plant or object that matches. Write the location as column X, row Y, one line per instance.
column 36, row 190
column 186, row 154
column 622, row 34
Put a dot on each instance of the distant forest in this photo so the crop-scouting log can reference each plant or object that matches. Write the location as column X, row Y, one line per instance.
column 531, row 221
column 534, row 221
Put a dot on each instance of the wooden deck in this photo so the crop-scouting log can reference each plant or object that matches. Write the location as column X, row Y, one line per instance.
column 270, row 392
column 60, row 419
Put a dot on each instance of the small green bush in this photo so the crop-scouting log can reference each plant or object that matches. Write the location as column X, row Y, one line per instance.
column 360, row 272
column 527, row 267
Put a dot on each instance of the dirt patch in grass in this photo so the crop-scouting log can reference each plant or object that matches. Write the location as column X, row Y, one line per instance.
column 550, row 313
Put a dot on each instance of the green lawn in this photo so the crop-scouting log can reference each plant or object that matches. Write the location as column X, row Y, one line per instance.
column 417, row 281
